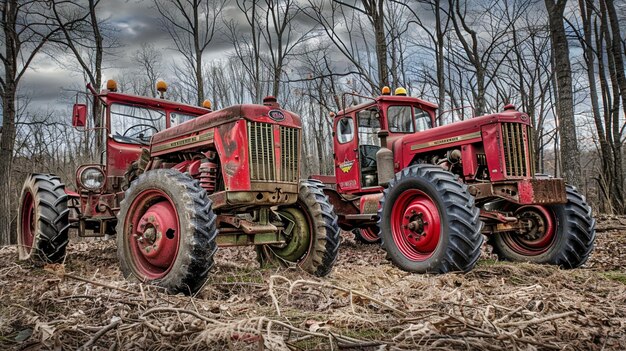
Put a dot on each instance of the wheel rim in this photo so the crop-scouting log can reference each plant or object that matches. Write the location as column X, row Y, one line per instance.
column 153, row 234
column 368, row 234
column 415, row 225
column 539, row 235
column 299, row 239
column 28, row 223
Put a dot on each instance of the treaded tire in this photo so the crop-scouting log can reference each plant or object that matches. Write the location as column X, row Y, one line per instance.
column 575, row 235
column 323, row 245
column 459, row 232
column 136, row 168
column 48, row 219
column 197, row 231
column 364, row 237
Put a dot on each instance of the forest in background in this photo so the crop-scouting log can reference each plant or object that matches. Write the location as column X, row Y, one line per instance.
column 560, row 61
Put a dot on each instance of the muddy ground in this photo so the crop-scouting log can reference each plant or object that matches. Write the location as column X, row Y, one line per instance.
column 365, row 304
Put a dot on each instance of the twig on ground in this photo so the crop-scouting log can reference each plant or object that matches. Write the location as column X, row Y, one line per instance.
column 114, row 323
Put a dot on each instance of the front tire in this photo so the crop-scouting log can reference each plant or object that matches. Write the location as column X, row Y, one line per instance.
column 561, row 235
column 314, row 239
column 43, row 219
column 429, row 223
column 166, row 231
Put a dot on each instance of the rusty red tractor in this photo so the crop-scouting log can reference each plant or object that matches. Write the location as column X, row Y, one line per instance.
column 176, row 182
column 430, row 193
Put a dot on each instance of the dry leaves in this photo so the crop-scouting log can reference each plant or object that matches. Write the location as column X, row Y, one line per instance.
column 365, row 304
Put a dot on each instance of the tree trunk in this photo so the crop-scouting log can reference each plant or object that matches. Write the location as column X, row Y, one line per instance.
column 565, row 108
column 6, row 163
column 441, row 83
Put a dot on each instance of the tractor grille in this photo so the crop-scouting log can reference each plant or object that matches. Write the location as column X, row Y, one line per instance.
column 290, row 153
column 518, row 156
column 260, row 144
column 263, row 155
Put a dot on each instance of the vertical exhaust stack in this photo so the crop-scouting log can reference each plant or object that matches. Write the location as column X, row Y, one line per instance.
column 384, row 160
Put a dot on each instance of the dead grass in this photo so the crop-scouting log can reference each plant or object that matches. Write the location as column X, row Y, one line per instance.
column 365, row 304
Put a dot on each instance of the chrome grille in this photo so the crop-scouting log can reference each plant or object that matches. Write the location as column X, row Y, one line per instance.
column 290, row 153
column 260, row 142
column 517, row 154
column 263, row 155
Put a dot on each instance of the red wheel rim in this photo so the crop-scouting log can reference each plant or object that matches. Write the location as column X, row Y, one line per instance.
column 415, row 225
column 540, row 235
column 28, row 222
column 368, row 234
column 153, row 233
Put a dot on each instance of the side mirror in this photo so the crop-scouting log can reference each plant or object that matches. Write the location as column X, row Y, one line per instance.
column 79, row 115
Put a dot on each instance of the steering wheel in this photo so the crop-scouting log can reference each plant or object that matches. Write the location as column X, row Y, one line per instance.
column 139, row 133
column 372, row 160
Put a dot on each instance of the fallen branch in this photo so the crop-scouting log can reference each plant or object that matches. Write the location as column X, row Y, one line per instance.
column 537, row 320
column 115, row 321
column 85, row 280
column 329, row 286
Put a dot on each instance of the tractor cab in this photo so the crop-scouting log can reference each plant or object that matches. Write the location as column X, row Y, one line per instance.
column 125, row 126
column 360, row 132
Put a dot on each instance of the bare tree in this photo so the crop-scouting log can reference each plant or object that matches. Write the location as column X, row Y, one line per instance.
column 342, row 23
column 565, row 105
column 83, row 34
column 192, row 25
column 149, row 58
column 24, row 34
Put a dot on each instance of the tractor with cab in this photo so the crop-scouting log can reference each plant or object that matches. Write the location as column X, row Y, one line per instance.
column 432, row 193
column 177, row 181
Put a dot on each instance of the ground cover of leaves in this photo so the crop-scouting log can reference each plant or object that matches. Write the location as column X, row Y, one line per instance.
column 366, row 304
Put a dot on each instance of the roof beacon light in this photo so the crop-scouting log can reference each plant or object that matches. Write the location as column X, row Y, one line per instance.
column 111, row 85
column 161, row 87
column 400, row 91
column 386, row 90
column 206, row 104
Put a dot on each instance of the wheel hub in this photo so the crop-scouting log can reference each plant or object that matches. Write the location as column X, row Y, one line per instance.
column 416, row 224
column 298, row 239
column 535, row 225
column 156, row 234
column 538, row 233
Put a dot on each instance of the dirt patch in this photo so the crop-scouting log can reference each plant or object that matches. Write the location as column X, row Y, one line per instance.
column 365, row 304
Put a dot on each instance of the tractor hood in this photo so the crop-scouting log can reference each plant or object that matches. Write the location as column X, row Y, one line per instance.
column 455, row 133
column 255, row 113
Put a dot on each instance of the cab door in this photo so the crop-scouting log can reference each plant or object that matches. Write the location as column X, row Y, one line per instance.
column 346, row 156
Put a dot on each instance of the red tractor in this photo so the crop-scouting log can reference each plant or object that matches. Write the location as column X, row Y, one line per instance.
column 176, row 182
column 430, row 193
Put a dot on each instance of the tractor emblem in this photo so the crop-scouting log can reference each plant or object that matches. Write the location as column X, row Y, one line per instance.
column 346, row 166
column 276, row 115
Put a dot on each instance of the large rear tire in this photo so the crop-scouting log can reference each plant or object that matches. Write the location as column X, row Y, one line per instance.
column 429, row 223
column 43, row 219
column 368, row 235
column 314, row 239
column 166, row 231
column 561, row 235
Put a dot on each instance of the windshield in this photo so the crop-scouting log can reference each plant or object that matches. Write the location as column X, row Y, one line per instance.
column 403, row 119
column 177, row 118
column 135, row 124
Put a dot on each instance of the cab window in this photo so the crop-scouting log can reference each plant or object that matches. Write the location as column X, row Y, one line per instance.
column 422, row 120
column 400, row 119
column 345, row 130
column 369, row 126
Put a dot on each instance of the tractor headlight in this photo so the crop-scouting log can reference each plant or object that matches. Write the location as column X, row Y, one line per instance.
column 92, row 178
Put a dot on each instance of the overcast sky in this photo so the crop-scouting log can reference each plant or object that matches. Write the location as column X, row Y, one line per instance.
column 135, row 22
